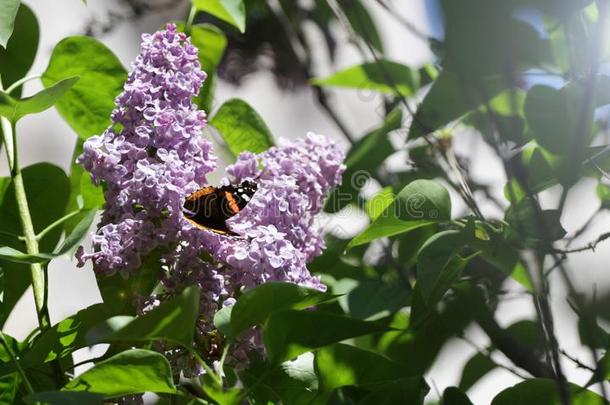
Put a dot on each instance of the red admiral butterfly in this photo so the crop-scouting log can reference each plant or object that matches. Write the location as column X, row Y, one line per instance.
column 210, row 207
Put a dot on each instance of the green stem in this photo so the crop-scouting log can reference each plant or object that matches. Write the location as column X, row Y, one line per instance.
column 55, row 224
column 189, row 20
column 31, row 243
column 24, row 377
column 19, row 82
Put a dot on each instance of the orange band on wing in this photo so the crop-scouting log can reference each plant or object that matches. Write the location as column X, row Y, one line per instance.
column 231, row 201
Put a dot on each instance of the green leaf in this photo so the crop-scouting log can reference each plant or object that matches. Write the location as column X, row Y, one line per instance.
column 383, row 76
column 341, row 365
column 420, row 203
column 255, row 305
column 8, row 12
column 79, row 232
column 484, row 38
column 370, row 299
column 84, row 195
column 15, row 256
column 120, row 294
column 14, row 109
column 288, row 333
column 542, row 391
column 382, row 200
column 9, row 386
column 65, row 337
column 67, row 247
column 231, row 11
column 292, row 382
column 222, row 320
column 475, row 369
column 130, row 372
column 363, row 160
column 242, row 128
column 17, row 58
column 603, row 193
column 438, row 264
column 87, row 106
column 173, row 321
column 361, row 22
column 528, row 227
column 455, row 396
column 448, row 99
column 65, row 398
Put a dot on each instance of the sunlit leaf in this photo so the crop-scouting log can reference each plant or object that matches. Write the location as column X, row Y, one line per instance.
column 8, row 12
column 173, row 321
column 420, row 203
column 255, row 305
column 130, row 372
column 14, row 109
column 87, row 106
column 384, row 76
column 242, row 128
column 231, row 11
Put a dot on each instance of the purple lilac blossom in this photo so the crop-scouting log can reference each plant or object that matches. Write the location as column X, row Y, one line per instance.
column 153, row 155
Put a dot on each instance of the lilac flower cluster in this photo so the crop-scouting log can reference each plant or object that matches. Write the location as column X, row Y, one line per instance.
column 152, row 156
column 281, row 235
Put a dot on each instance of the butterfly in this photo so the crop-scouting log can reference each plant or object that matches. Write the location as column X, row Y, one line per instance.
column 210, row 206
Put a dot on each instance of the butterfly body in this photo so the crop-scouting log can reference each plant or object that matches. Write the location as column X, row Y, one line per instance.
column 210, row 206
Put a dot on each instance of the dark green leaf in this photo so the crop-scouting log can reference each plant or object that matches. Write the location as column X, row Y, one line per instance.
column 288, row 333
column 363, row 160
column 292, row 382
column 79, row 232
column 120, row 294
column 231, row 11
column 130, row 372
column 371, row 299
column 173, row 321
column 8, row 12
column 87, row 106
column 438, row 264
column 455, row 396
column 420, row 203
column 475, row 369
column 17, row 58
column 541, row 391
column 529, row 227
column 65, row 398
column 448, row 99
column 484, row 38
column 384, row 76
column 84, row 195
column 14, row 109
column 242, row 128
column 255, row 305
column 341, row 365
column 9, row 386
column 47, row 189
column 361, row 22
